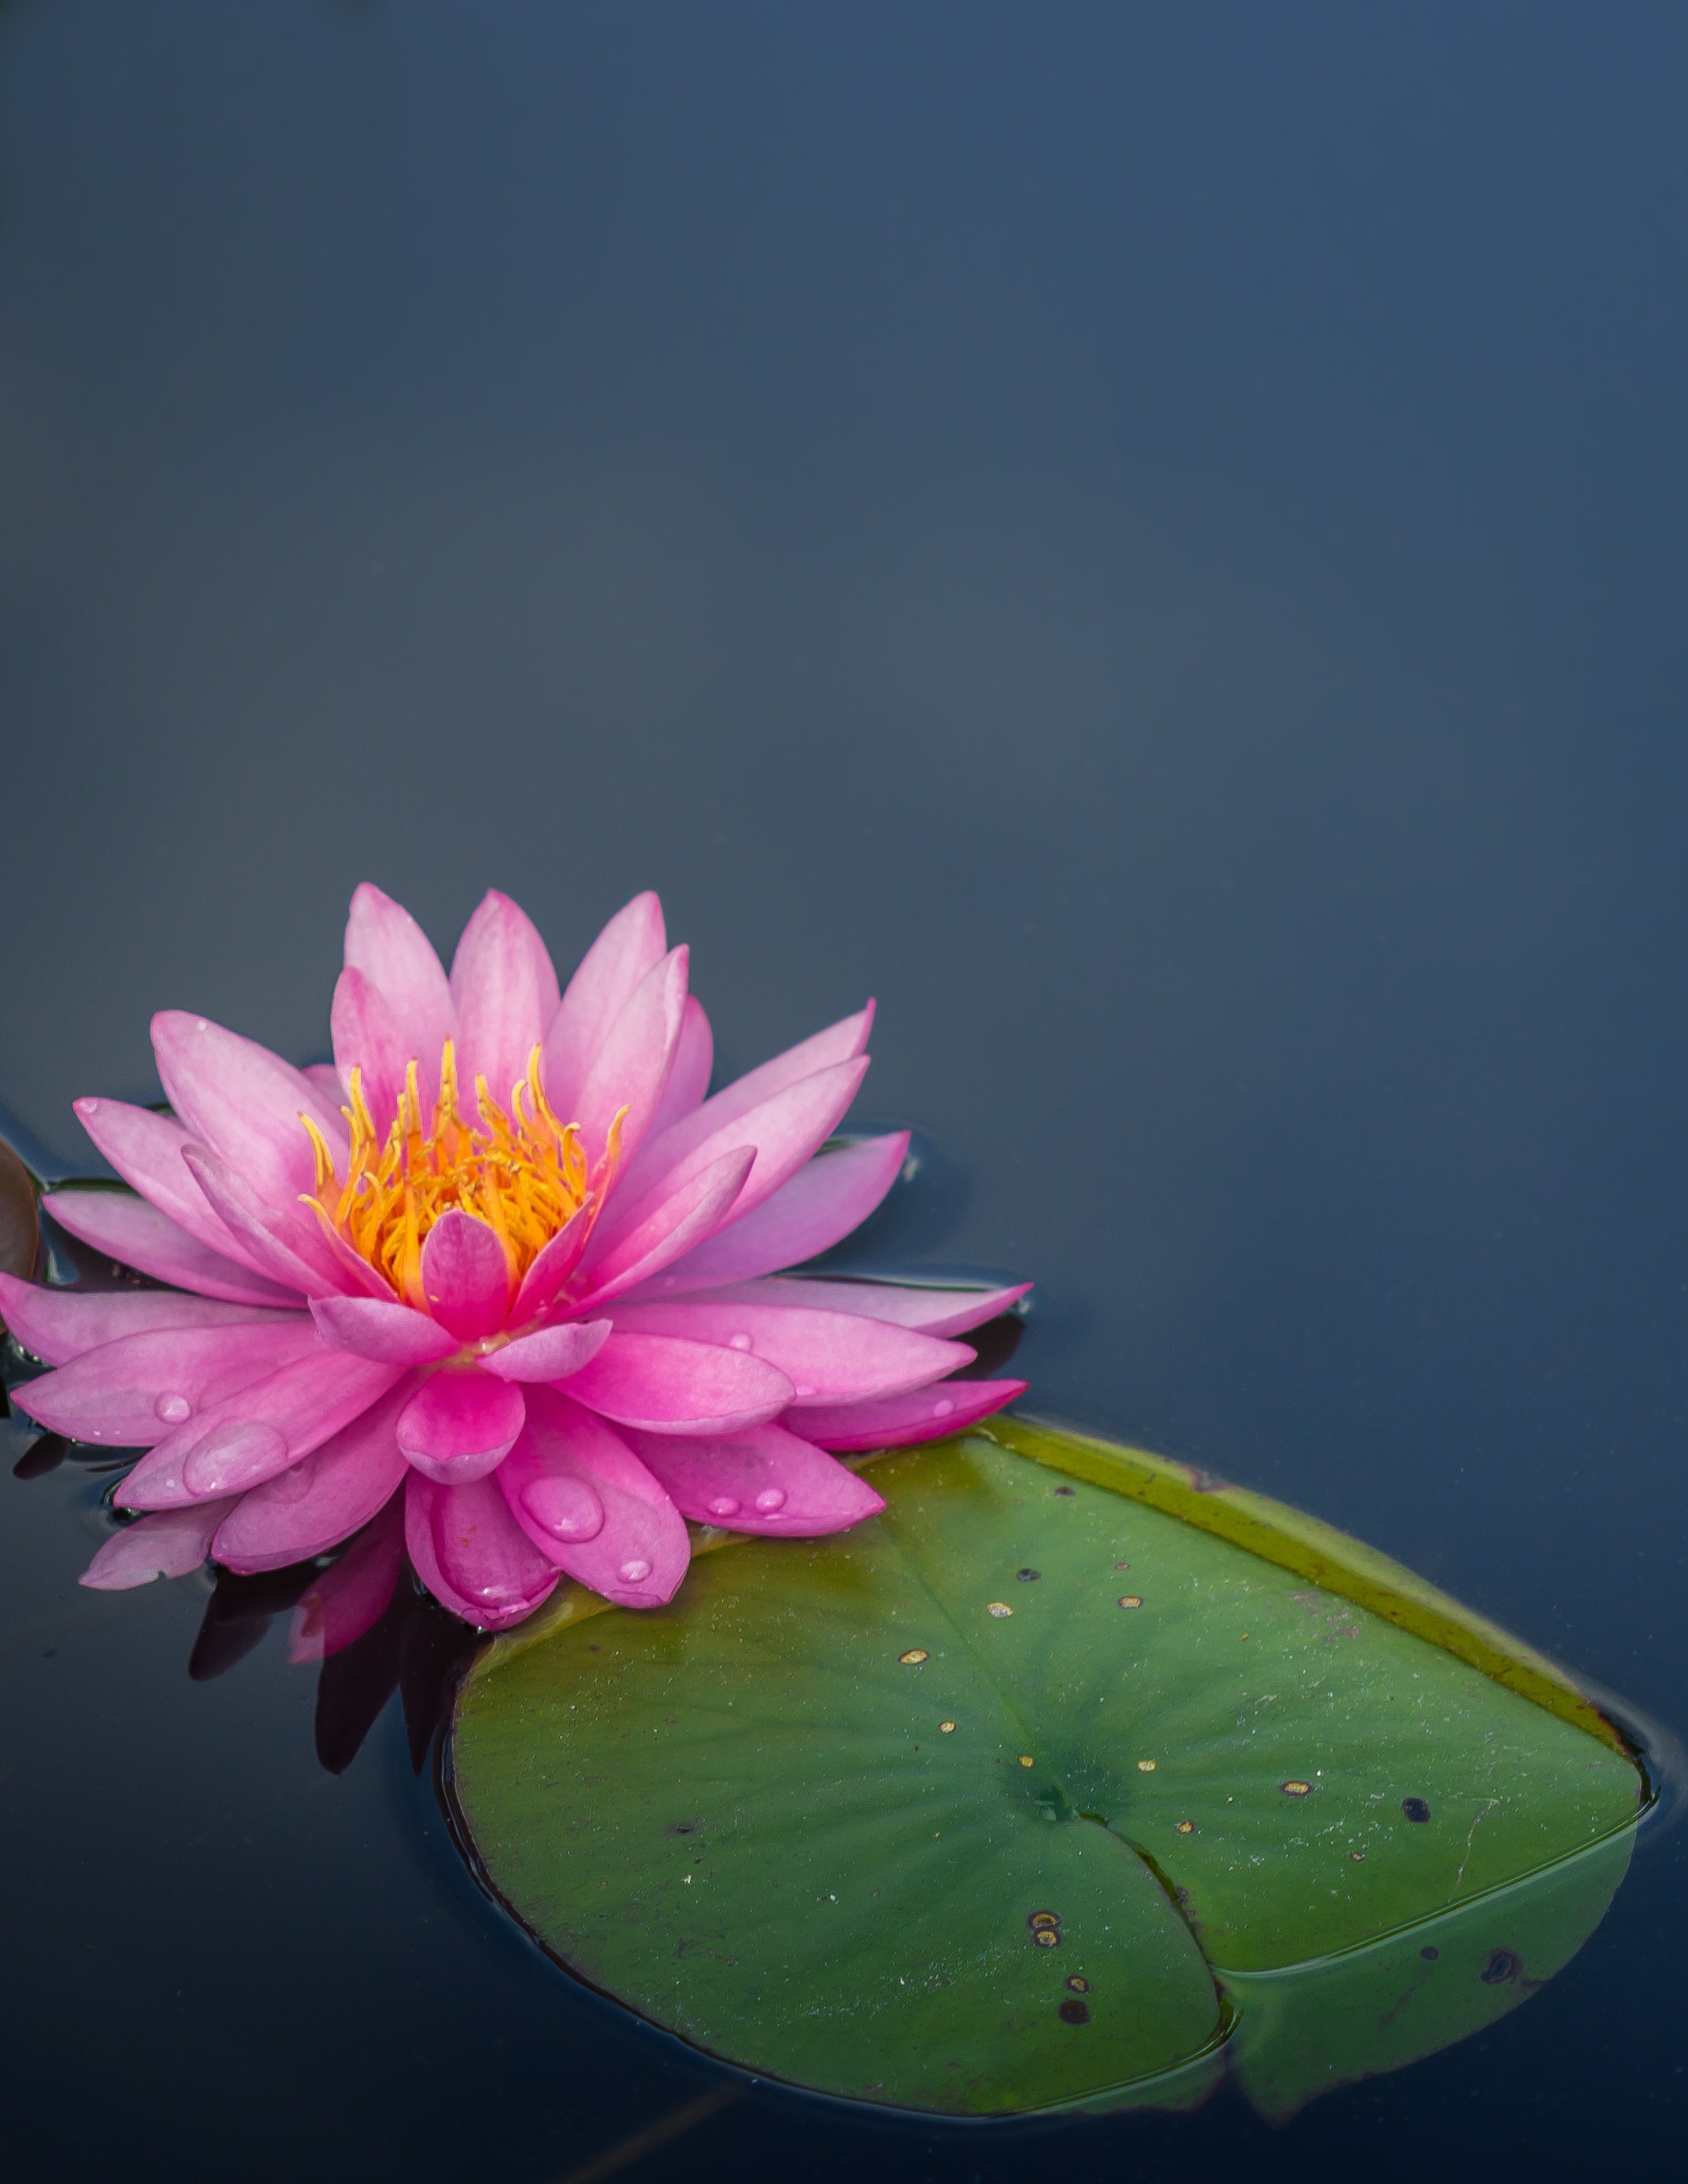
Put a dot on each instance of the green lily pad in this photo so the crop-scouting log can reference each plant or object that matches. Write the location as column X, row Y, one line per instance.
column 1073, row 1780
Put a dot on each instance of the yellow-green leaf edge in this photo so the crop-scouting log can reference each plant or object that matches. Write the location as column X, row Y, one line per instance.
column 1274, row 1531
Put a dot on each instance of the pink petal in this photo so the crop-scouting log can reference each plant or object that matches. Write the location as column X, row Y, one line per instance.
column 552, row 1354
column 680, row 1387
column 321, row 1499
column 257, row 1432
column 696, row 1209
column 785, row 1131
column 762, row 1480
column 369, row 1037
column 172, row 1544
column 245, row 1103
column 828, row 1197
column 471, row 1554
column 929, row 1311
column 630, row 946
column 144, row 1387
column 631, row 1068
column 385, row 943
column 326, row 1079
column 352, row 1596
column 828, row 1356
column 591, row 1506
column 690, row 1071
column 285, row 1241
column 505, row 992
column 466, row 1276
column 894, row 1421
column 391, row 1333
column 140, row 1236
column 57, row 1325
column 838, row 1042
column 459, row 1426
column 546, row 1278
column 145, row 1149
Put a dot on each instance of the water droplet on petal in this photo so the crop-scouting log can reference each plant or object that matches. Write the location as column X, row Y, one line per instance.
column 632, row 1573
column 803, row 1392
column 738, row 1342
column 563, row 1505
column 173, row 1409
column 724, row 1504
column 770, row 1499
column 943, row 1409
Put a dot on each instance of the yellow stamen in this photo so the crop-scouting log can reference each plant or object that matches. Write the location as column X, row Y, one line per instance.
column 522, row 1172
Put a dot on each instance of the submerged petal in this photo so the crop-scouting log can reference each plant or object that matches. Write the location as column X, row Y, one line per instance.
column 172, row 1544
column 459, row 1426
column 471, row 1554
column 588, row 1504
column 351, row 1596
column 765, row 1480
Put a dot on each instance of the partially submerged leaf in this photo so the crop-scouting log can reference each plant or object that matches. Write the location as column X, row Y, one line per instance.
column 19, row 1226
column 1031, row 1793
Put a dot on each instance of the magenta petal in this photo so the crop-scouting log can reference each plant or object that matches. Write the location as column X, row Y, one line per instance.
column 140, row 1236
column 391, row 1333
column 840, row 1043
column 466, row 1276
column 827, row 1197
column 765, row 1479
column 385, row 943
column 688, row 1071
column 630, row 946
column 286, row 1240
column 369, row 1038
column 696, row 1209
column 144, row 1387
column 631, row 1068
column 351, row 1596
column 505, row 992
column 828, row 1356
column 459, row 1426
column 894, row 1421
column 927, row 1310
column 680, row 1387
column 57, row 1325
column 784, row 1131
column 172, row 1544
column 245, row 1104
column 315, row 1503
column 258, row 1431
column 145, row 1149
column 589, row 1505
column 551, row 1354
column 543, row 1280
column 471, row 1554
column 326, row 1079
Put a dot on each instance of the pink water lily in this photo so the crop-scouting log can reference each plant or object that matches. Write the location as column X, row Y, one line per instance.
column 502, row 1277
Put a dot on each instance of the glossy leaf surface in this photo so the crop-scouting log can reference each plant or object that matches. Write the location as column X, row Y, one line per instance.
column 815, row 1814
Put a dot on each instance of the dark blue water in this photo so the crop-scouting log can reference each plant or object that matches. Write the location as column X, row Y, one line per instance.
column 1150, row 538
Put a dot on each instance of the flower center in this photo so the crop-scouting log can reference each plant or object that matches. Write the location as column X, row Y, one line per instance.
column 521, row 1170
